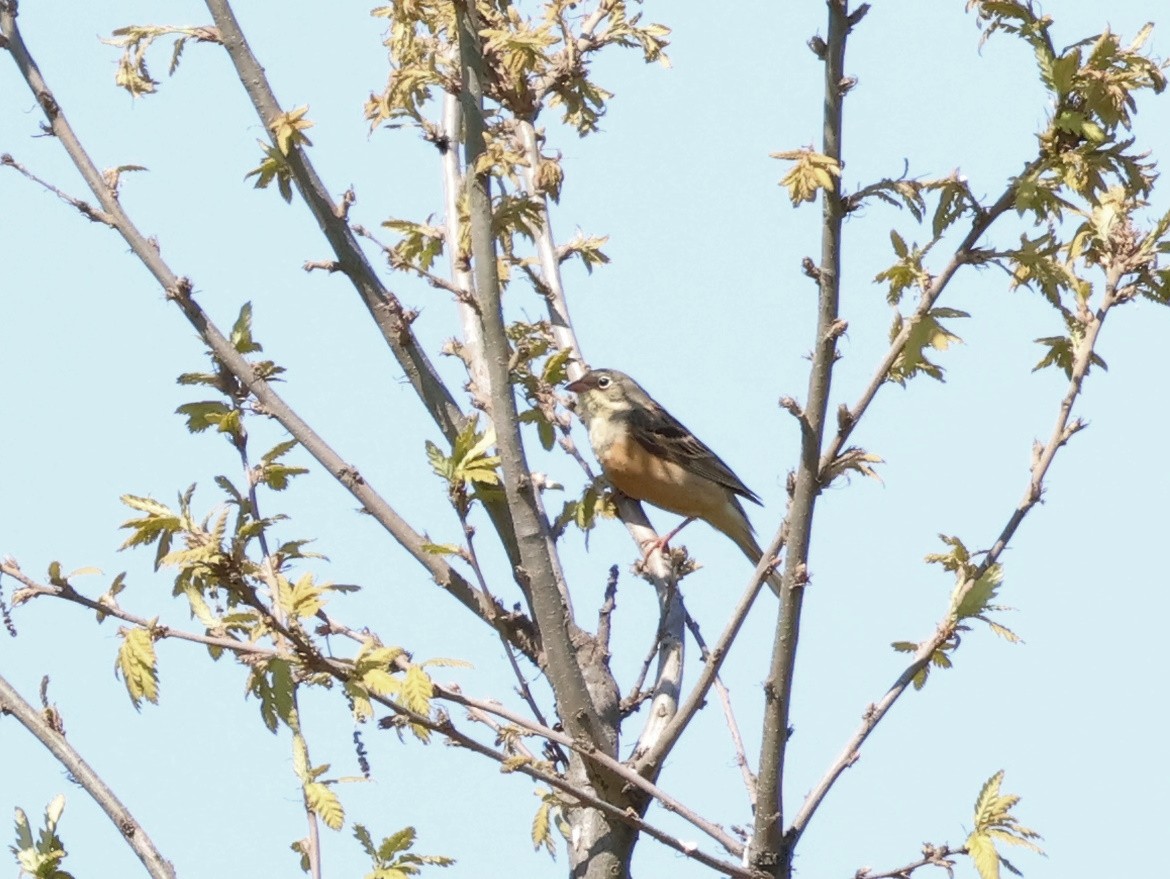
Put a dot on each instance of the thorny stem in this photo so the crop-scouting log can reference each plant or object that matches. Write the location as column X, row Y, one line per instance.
column 1062, row 430
column 178, row 290
column 769, row 850
column 80, row 772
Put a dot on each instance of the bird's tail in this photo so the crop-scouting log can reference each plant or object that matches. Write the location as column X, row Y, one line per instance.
column 746, row 541
column 736, row 526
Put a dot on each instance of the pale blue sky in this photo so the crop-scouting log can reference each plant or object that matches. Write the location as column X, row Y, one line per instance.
column 705, row 304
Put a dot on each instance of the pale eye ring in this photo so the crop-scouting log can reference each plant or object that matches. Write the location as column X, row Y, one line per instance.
column 604, row 382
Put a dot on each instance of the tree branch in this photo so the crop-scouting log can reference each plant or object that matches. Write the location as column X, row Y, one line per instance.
column 932, row 856
column 963, row 255
column 178, row 290
column 385, row 309
column 1063, row 428
column 768, row 847
column 741, row 759
column 539, row 572
column 131, row 829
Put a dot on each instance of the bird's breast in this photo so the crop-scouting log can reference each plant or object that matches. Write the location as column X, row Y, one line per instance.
column 636, row 472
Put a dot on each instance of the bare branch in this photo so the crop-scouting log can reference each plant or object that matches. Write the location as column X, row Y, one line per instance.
column 768, row 847
column 540, row 572
column 741, row 759
column 932, row 856
column 83, row 207
column 128, row 826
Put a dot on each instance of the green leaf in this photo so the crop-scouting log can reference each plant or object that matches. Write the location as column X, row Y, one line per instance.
column 272, row 683
column 401, row 841
column 994, row 821
column 208, row 413
column 810, row 172
column 241, row 335
column 288, row 130
column 325, row 804
column 983, row 855
column 137, row 665
column 978, row 598
column 274, row 167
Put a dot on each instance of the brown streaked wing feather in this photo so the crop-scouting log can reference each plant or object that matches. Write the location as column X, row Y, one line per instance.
column 664, row 435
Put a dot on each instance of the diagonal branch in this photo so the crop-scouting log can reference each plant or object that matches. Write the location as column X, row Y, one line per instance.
column 384, row 307
column 387, row 312
column 1063, row 428
column 966, row 253
column 178, row 290
column 80, row 772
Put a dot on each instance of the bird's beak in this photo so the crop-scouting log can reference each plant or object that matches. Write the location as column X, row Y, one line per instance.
column 577, row 387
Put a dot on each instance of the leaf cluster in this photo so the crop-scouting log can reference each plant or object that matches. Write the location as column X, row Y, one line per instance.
column 392, row 858
column 135, row 40
column 471, row 468
column 41, row 857
column 994, row 822
column 531, row 61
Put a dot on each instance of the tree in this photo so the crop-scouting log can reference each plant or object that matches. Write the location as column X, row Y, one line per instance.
column 478, row 84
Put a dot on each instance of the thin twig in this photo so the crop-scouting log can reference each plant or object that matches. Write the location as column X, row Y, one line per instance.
column 268, row 573
column 605, row 612
column 521, row 682
column 85, row 208
column 749, row 777
column 932, row 856
column 1063, row 428
column 963, row 255
column 32, row 589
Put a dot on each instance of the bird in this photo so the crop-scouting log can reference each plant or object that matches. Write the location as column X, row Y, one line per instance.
column 649, row 455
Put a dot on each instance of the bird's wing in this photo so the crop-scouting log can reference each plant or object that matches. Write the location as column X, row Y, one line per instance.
column 664, row 435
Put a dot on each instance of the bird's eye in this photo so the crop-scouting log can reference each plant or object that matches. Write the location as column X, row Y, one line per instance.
column 604, row 382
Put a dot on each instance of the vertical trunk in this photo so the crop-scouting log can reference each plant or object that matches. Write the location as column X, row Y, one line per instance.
column 600, row 846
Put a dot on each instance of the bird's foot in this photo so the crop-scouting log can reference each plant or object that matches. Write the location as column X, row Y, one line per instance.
column 662, row 544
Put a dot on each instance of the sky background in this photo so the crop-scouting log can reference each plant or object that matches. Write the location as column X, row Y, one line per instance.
column 705, row 304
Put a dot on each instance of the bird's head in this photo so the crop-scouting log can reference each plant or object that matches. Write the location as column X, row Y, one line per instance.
column 606, row 391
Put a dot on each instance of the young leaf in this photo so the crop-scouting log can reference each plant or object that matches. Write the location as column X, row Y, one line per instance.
column 137, row 664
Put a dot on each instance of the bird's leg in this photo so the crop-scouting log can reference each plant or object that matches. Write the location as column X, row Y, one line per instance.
column 662, row 543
